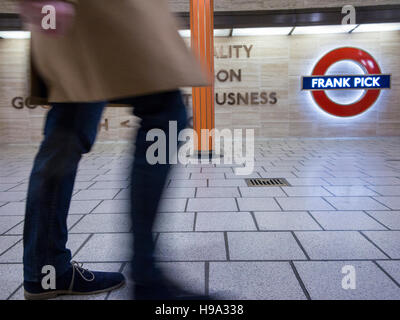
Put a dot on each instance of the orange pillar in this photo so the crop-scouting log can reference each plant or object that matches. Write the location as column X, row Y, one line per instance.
column 202, row 42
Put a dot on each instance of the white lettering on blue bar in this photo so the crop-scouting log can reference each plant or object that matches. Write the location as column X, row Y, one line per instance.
column 381, row 81
column 339, row 83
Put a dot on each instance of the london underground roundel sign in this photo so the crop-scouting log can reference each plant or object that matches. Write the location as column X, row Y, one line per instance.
column 372, row 81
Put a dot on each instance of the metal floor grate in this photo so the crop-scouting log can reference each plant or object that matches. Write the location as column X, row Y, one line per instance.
column 267, row 182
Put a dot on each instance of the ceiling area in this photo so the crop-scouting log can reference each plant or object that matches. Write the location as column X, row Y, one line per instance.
column 297, row 17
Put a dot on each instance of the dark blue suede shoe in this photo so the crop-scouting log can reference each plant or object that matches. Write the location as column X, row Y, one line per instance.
column 76, row 281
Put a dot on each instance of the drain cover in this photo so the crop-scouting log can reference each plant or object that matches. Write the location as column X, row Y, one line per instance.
column 267, row 182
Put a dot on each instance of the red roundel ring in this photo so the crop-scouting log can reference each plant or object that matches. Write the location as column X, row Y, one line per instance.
column 360, row 56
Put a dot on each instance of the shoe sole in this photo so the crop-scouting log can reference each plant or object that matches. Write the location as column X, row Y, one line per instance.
column 56, row 293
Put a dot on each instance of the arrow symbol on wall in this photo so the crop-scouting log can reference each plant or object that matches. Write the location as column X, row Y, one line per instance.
column 126, row 124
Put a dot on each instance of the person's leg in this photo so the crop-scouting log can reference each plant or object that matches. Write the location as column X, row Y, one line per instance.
column 148, row 180
column 70, row 131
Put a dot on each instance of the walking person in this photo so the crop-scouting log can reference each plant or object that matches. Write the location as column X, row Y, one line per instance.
column 125, row 51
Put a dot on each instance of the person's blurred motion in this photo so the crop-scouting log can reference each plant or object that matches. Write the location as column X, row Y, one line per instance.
column 125, row 51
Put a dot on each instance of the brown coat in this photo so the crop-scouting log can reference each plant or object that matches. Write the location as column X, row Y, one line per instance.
column 115, row 49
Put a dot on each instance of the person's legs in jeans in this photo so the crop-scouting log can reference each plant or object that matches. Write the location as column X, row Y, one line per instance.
column 149, row 180
column 70, row 131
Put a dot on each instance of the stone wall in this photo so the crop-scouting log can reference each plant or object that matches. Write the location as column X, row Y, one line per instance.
column 257, row 88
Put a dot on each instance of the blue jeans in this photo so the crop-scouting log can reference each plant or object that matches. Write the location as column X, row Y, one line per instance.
column 70, row 131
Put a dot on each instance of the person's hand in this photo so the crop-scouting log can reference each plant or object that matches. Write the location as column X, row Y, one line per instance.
column 31, row 12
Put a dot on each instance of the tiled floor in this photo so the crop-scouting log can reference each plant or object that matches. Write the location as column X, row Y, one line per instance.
column 214, row 234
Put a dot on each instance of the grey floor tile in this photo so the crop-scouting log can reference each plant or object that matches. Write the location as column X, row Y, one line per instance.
column 80, row 185
column 257, row 204
column 347, row 174
column 277, row 169
column 13, row 208
column 263, row 246
column 172, row 221
column 234, row 175
column 11, row 179
column 261, row 192
column 391, row 202
column 304, row 203
column 7, row 186
column 124, row 194
column 221, row 192
column 188, row 275
column 95, row 194
column 187, row 183
column 18, row 295
column 174, row 193
column 11, row 276
column 111, row 177
column 383, row 173
column 109, row 185
column 83, row 206
column 290, row 220
column 314, row 174
column 208, row 176
column 338, row 245
column 183, row 176
column 187, row 170
column 355, row 203
column 386, row 190
column 388, row 181
column 226, row 183
column 172, row 205
column 307, row 182
column 390, row 219
column 346, row 181
column 8, row 222
column 12, row 196
column 392, row 268
column 14, row 255
column 110, row 247
column 323, row 281
column 195, row 246
column 22, row 187
column 93, row 223
column 212, row 204
column 8, row 241
column 346, row 220
column 388, row 241
column 224, row 221
column 350, row 191
column 306, row 191
column 254, row 281
column 113, row 206
column 124, row 293
column 85, row 177
column 277, row 174
column 19, row 229
column 92, row 171
column 216, row 170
